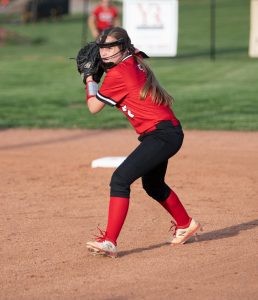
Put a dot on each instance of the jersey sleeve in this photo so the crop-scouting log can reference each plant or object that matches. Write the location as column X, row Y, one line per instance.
column 115, row 12
column 113, row 89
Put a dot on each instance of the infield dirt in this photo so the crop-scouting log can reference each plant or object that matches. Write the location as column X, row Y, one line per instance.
column 52, row 201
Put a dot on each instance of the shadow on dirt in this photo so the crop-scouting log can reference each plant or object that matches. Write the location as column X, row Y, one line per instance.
column 139, row 250
column 223, row 233
column 227, row 231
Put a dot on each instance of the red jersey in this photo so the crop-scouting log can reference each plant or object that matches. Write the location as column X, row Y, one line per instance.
column 121, row 88
column 105, row 16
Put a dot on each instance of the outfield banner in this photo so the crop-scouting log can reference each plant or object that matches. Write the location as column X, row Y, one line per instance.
column 152, row 25
column 253, row 43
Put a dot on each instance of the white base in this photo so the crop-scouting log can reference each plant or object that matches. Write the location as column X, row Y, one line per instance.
column 108, row 162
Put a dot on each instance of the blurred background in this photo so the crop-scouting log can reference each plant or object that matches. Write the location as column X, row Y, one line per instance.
column 212, row 78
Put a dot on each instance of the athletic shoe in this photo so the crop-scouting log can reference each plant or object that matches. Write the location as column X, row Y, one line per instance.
column 181, row 235
column 105, row 248
column 101, row 246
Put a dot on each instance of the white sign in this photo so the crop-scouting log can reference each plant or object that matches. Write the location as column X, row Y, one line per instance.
column 253, row 43
column 152, row 25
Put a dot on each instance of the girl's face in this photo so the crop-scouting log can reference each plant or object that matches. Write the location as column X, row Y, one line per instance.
column 111, row 54
column 106, row 2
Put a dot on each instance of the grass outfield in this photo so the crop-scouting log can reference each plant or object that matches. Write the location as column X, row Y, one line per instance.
column 40, row 86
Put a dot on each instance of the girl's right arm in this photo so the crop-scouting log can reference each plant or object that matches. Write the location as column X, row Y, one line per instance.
column 92, row 26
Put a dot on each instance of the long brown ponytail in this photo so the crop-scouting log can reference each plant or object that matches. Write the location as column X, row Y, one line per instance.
column 158, row 94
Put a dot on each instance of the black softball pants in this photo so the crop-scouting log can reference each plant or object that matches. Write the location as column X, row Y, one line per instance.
column 149, row 161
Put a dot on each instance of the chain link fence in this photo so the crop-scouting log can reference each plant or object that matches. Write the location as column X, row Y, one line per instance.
column 213, row 27
column 206, row 27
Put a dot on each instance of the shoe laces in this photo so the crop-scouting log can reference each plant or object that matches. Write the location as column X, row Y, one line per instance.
column 102, row 235
column 173, row 228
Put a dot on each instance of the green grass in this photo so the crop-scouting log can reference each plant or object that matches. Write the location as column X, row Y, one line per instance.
column 40, row 86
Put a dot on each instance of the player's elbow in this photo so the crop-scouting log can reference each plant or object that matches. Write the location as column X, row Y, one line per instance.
column 94, row 105
column 93, row 111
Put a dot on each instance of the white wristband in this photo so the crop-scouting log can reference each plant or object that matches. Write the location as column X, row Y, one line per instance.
column 92, row 89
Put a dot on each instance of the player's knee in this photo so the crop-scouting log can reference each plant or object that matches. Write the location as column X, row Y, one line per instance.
column 158, row 193
column 119, row 185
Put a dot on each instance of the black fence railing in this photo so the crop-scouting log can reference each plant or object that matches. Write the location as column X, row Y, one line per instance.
column 206, row 27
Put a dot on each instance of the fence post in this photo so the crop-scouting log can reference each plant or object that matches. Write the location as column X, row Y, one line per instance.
column 35, row 10
column 212, row 29
column 84, row 22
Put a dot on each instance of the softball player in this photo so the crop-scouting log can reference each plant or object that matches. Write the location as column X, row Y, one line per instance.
column 131, row 87
column 104, row 16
